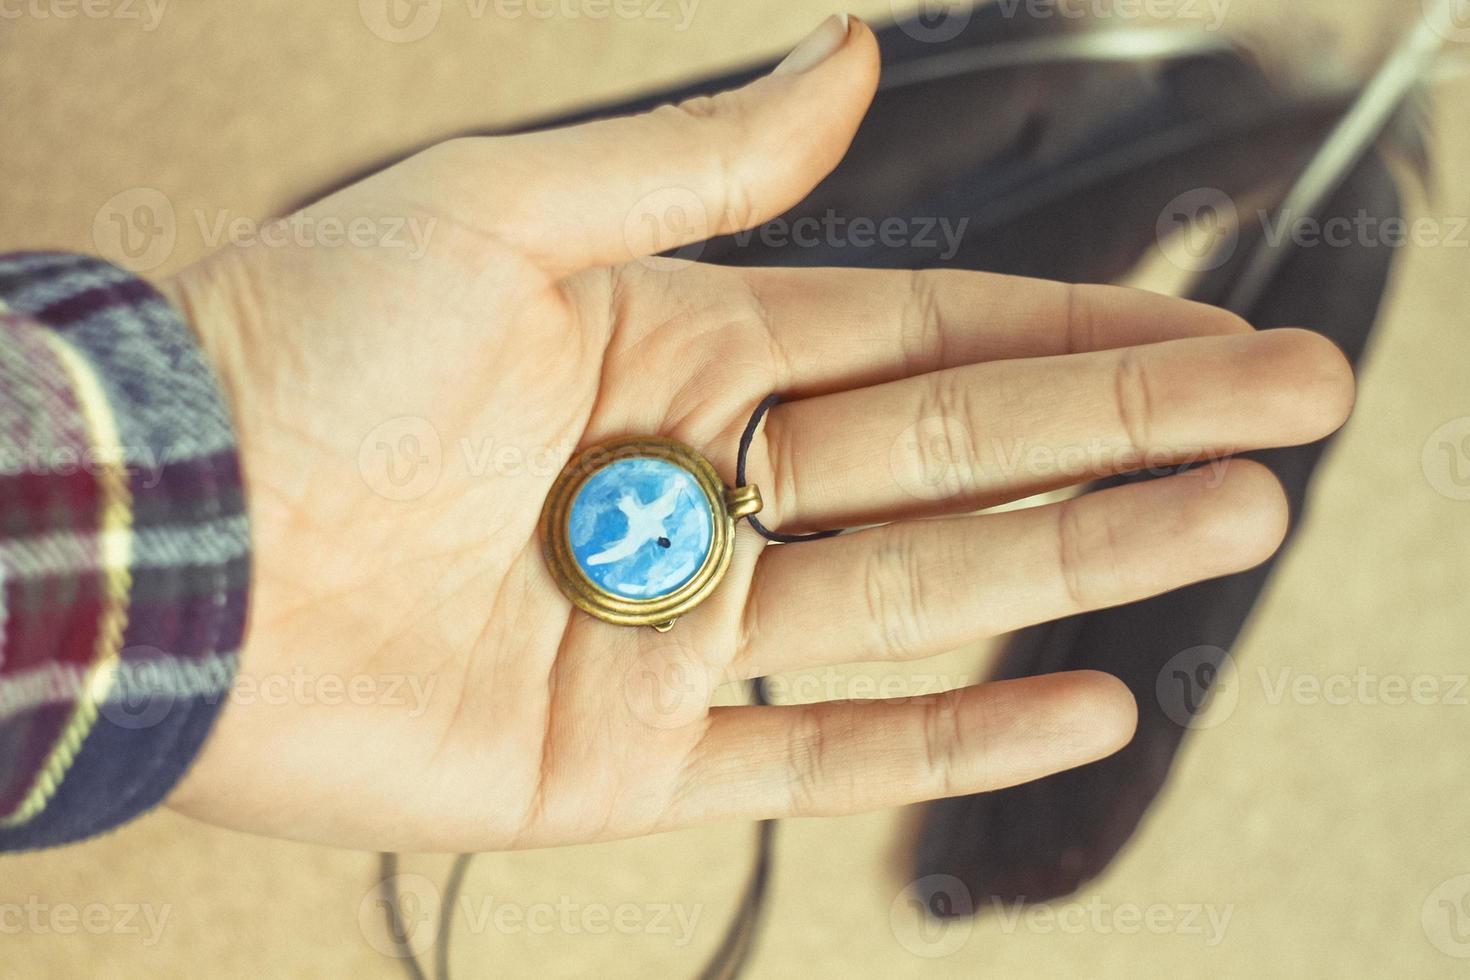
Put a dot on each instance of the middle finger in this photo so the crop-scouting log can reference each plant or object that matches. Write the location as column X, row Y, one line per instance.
column 973, row 436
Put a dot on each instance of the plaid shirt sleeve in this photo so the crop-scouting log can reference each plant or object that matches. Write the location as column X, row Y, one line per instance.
column 124, row 548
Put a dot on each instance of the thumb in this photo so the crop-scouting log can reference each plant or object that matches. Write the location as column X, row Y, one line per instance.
column 620, row 189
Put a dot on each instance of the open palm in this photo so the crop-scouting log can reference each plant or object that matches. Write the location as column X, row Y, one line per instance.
column 413, row 679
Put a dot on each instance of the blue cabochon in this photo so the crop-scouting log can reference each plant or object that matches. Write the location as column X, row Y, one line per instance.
column 640, row 528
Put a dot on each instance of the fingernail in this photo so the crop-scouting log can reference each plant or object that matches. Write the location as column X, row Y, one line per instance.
column 816, row 47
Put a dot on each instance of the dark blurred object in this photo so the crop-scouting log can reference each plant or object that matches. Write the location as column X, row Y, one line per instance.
column 1043, row 840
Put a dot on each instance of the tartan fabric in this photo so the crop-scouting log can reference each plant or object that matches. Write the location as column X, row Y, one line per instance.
column 124, row 548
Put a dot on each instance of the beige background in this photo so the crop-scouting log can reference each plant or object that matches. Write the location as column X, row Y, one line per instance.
column 1325, row 831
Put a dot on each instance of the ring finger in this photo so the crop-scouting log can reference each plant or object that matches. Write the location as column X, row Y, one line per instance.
column 920, row 588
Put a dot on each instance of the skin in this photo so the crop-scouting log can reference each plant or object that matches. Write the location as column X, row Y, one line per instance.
column 534, row 322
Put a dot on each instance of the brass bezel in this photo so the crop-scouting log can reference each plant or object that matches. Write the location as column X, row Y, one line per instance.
column 725, row 507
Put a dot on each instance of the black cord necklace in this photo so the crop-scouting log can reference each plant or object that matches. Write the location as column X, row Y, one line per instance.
column 730, row 957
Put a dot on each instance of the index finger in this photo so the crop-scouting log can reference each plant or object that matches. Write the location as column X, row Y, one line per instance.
column 835, row 329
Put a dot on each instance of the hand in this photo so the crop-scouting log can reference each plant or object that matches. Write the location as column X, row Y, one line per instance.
column 533, row 325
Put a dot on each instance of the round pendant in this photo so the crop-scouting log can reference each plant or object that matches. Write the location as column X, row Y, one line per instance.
column 639, row 531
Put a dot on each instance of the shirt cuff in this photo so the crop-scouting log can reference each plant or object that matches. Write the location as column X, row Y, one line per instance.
column 124, row 548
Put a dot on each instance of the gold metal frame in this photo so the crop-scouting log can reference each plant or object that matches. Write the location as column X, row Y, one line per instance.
column 727, row 506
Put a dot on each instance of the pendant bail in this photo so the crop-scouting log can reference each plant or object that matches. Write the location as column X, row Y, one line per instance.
column 742, row 501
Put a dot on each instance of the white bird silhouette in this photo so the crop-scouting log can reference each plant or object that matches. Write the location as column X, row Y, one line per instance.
column 645, row 523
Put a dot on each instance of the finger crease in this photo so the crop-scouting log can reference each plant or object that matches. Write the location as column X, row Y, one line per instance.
column 1134, row 402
